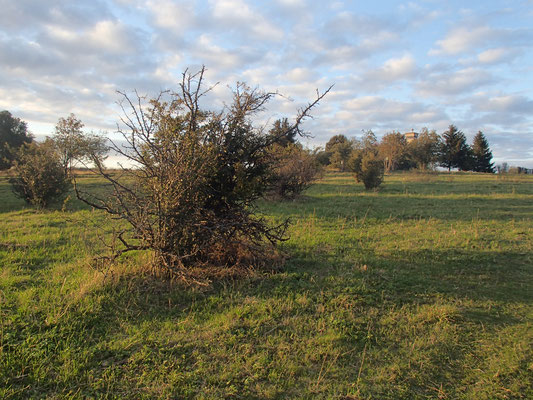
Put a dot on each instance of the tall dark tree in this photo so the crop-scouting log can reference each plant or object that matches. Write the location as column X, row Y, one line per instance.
column 482, row 155
column 454, row 149
column 13, row 134
column 280, row 126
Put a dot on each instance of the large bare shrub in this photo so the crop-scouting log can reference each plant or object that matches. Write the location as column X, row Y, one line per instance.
column 189, row 196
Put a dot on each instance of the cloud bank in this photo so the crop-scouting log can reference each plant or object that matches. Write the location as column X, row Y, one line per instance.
column 418, row 64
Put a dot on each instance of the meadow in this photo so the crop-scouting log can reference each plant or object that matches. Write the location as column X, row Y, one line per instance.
column 422, row 290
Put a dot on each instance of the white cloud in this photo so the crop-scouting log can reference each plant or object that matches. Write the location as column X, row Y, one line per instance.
column 112, row 36
column 392, row 70
column 291, row 3
column 399, row 67
column 453, row 83
column 298, row 75
column 59, row 56
column 108, row 36
column 504, row 103
column 221, row 60
column 382, row 113
column 176, row 17
column 237, row 13
column 463, row 39
column 497, row 55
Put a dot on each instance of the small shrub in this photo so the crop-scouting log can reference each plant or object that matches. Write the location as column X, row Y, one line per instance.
column 372, row 171
column 40, row 178
column 368, row 168
column 295, row 169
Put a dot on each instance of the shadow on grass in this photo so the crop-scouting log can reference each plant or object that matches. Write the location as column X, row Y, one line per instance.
column 383, row 206
column 119, row 328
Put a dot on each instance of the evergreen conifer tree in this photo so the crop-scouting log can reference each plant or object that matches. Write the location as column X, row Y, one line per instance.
column 455, row 150
column 482, row 154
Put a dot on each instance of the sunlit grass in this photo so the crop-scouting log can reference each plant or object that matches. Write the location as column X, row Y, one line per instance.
column 421, row 290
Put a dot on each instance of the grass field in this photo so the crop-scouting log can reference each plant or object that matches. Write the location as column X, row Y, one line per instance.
column 421, row 290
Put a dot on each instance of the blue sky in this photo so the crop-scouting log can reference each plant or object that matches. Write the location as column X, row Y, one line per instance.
column 396, row 65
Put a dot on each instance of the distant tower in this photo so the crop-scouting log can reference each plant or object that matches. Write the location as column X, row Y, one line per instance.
column 410, row 136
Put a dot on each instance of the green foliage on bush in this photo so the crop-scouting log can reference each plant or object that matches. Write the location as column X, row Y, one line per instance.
column 294, row 170
column 40, row 178
column 366, row 163
column 367, row 168
column 372, row 171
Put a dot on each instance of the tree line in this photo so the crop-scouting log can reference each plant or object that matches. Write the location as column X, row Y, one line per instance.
column 428, row 150
column 44, row 170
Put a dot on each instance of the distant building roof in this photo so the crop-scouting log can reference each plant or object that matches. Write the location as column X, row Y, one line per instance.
column 410, row 136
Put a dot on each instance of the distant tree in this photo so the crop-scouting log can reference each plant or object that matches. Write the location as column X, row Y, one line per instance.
column 340, row 153
column 335, row 140
column 482, row 156
column 75, row 145
column 504, row 168
column 40, row 177
column 369, row 142
column 454, row 149
column 13, row 134
column 392, row 149
column 322, row 157
column 424, row 150
column 354, row 163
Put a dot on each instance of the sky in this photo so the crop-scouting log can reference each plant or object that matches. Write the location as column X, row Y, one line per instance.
column 395, row 65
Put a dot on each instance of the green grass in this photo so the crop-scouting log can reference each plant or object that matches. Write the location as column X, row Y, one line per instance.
column 421, row 290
